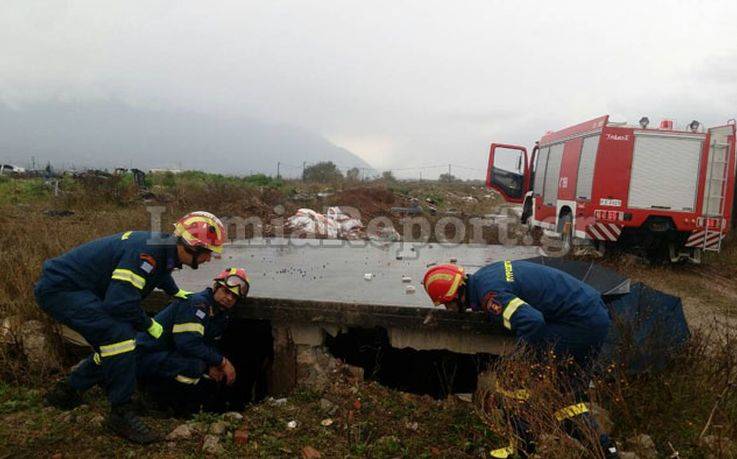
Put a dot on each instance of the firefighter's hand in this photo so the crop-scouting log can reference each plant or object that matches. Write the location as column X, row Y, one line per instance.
column 216, row 373
column 229, row 371
column 155, row 329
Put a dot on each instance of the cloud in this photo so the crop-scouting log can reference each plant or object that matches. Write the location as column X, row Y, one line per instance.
column 408, row 83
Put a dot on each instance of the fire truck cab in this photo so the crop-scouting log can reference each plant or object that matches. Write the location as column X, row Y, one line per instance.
column 660, row 189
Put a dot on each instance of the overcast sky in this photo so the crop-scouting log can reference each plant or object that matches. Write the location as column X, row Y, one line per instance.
column 401, row 84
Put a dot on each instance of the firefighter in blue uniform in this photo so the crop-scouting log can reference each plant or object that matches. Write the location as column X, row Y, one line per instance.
column 172, row 367
column 547, row 309
column 96, row 289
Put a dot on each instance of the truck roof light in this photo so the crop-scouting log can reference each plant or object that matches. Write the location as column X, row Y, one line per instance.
column 644, row 121
column 694, row 126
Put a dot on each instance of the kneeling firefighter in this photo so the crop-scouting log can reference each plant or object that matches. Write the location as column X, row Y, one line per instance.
column 548, row 310
column 96, row 289
column 171, row 369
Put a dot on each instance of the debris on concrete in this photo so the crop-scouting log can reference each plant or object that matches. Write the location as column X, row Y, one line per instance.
column 410, row 289
column 211, row 445
column 182, row 432
column 368, row 276
column 406, row 279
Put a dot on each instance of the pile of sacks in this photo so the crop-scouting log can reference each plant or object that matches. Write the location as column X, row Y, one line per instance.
column 334, row 224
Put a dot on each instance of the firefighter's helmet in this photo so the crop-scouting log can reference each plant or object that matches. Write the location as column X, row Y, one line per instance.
column 235, row 280
column 201, row 230
column 442, row 281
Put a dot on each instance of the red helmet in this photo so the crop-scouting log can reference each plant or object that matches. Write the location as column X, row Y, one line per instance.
column 235, row 280
column 201, row 230
column 442, row 281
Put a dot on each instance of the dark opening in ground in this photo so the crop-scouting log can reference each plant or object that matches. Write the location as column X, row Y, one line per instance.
column 248, row 344
column 435, row 373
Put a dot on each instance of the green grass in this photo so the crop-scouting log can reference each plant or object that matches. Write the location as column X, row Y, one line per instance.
column 18, row 191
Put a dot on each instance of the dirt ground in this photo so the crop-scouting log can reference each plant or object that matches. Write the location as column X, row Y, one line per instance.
column 365, row 419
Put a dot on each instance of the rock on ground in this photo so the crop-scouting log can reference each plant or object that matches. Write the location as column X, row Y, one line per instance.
column 233, row 416
column 182, row 432
column 37, row 346
column 315, row 368
column 218, row 427
column 211, row 445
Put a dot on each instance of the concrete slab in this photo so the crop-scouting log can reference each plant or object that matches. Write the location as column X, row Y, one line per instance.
column 330, row 270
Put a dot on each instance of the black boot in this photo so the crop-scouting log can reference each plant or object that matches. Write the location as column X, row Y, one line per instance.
column 123, row 421
column 63, row 396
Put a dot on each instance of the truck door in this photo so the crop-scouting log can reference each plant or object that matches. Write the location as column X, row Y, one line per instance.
column 508, row 171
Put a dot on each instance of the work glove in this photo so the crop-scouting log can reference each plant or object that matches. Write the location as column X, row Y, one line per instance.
column 183, row 294
column 155, row 329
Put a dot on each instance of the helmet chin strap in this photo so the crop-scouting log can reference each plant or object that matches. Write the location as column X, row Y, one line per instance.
column 194, row 253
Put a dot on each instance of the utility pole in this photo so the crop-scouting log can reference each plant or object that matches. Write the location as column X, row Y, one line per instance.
column 449, row 174
column 304, row 163
column 278, row 171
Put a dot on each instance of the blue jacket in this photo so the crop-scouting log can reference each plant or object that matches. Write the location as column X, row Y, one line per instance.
column 192, row 327
column 121, row 269
column 525, row 297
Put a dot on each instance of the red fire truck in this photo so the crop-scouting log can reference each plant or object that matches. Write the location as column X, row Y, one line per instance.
column 662, row 189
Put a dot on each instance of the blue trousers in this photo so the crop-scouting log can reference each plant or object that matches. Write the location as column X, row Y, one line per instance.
column 174, row 381
column 113, row 364
column 156, row 366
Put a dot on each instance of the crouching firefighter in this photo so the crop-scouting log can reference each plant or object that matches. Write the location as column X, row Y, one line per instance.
column 178, row 370
column 96, row 289
column 555, row 314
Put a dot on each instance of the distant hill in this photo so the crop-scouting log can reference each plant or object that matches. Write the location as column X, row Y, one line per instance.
column 109, row 135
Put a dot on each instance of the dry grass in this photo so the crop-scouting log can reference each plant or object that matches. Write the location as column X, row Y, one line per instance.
column 683, row 407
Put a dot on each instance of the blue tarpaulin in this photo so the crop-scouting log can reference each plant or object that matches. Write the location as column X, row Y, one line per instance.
column 648, row 327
